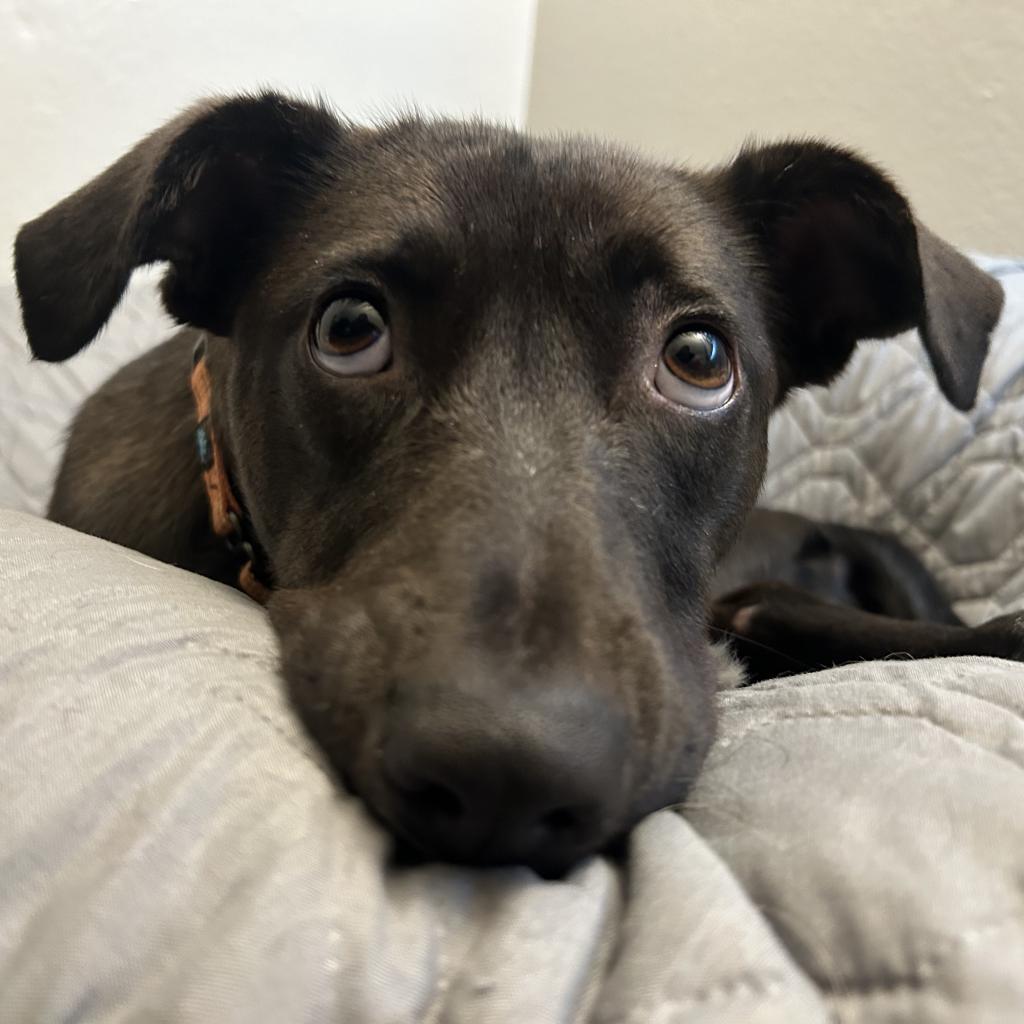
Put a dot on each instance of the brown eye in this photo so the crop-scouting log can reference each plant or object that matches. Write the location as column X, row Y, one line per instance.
column 351, row 338
column 695, row 370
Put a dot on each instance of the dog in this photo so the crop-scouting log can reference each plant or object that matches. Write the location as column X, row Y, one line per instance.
column 480, row 417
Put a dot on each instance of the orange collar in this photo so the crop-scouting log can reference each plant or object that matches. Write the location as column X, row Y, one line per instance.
column 226, row 515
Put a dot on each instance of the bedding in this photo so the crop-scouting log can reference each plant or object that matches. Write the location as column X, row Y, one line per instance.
column 174, row 848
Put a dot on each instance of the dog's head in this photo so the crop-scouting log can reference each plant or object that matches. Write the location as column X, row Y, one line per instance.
column 496, row 406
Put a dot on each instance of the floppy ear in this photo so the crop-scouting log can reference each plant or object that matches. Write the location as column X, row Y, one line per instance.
column 206, row 193
column 846, row 260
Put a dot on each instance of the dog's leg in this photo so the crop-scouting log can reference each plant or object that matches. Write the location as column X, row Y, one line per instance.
column 842, row 564
column 777, row 629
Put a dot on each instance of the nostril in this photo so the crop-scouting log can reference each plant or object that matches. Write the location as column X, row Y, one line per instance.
column 561, row 819
column 436, row 799
column 571, row 824
column 424, row 788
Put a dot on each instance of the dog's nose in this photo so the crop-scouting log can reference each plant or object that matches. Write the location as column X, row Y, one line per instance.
column 534, row 777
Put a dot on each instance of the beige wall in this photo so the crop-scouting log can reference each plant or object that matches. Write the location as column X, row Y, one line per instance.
column 931, row 89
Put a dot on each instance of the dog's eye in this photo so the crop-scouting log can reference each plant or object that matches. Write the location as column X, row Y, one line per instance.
column 351, row 338
column 695, row 370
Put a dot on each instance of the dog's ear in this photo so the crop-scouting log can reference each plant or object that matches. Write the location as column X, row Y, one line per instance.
column 846, row 260
column 205, row 193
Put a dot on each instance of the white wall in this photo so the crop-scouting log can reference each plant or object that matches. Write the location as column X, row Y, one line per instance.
column 81, row 80
column 933, row 89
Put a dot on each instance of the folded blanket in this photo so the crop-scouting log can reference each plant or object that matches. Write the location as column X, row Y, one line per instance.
column 174, row 849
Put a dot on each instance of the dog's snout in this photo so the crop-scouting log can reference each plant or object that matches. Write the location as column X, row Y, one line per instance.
column 531, row 777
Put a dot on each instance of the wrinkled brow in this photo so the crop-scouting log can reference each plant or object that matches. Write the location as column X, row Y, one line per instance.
column 634, row 260
column 417, row 262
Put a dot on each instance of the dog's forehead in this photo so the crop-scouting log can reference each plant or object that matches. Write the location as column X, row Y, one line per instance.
column 486, row 191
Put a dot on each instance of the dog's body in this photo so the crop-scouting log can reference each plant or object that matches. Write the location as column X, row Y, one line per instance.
column 496, row 410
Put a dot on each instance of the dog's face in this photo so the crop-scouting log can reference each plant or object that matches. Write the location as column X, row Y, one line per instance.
column 491, row 491
column 496, row 407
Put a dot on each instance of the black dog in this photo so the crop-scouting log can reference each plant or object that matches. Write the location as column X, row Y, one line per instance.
column 493, row 410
